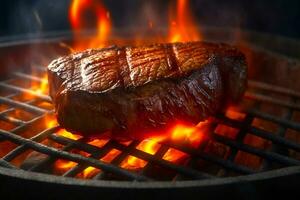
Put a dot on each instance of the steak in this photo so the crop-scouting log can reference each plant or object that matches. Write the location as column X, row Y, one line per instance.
column 133, row 92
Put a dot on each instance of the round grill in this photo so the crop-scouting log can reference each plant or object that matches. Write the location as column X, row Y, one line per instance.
column 255, row 140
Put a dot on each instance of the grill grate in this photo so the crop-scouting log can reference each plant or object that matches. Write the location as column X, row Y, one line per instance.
column 265, row 138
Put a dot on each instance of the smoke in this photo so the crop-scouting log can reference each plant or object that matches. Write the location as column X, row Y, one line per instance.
column 35, row 17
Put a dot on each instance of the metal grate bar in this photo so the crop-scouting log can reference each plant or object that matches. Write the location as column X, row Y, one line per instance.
column 4, row 114
column 3, row 163
column 70, row 156
column 75, row 143
column 37, row 138
column 24, row 106
column 117, row 160
column 264, row 154
column 130, row 150
column 213, row 159
column 193, row 160
column 28, row 91
column 267, row 99
column 49, row 160
column 79, row 167
column 282, row 121
column 261, row 133
column 39, row 68
column 159, row 155
column 24, row 126
column 240, row 137
column 28, row 77
column 273, row 88
column 150, row 158
column 281, row 132
column 12, row 120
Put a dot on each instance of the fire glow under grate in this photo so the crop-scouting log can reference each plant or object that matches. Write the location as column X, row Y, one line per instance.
column 260, row 134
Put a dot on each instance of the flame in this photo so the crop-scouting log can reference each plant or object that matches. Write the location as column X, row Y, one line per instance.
column 52, row 122
column 182, row 26
column 188, row 134
column 67, row 134
column 150, row 146
column 77, row 10
column 43, row 87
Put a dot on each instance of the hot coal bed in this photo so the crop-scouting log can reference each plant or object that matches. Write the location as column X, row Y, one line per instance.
column 251, row 149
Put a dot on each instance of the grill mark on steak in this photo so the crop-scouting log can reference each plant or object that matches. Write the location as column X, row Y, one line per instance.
column 121, row 56
column 171, row 59
column 134, row 91
column 124, row 68
column 129, row 65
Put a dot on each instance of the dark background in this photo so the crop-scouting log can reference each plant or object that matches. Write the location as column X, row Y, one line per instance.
column 281, row 17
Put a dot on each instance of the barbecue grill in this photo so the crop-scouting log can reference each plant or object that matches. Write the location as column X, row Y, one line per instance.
column 253, row 151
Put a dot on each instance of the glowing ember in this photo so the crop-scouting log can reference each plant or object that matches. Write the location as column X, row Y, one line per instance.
column 133, row 163
column 111, row 155
column 182, row 27
column 174, row 155
column 77, row 10
column 64, row 133
column 88, row 171
column 98, row 143
column 63, row 165
column 150, row 146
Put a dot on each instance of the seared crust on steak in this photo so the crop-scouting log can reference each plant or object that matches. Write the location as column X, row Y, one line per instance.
column 135, row 91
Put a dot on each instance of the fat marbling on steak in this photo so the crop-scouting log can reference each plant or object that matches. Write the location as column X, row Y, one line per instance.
column 134, row 91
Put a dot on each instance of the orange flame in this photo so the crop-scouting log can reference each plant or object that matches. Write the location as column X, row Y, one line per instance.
column 64, row 165
column 76, row 15
column 40, row 87
column 52, row 122
column 43, row 88
column 182, row 26
column 150, row 146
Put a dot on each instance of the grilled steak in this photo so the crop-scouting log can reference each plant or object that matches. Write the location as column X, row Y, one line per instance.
column 132, row 92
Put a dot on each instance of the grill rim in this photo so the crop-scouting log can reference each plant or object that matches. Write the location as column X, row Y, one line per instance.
column 52, row 179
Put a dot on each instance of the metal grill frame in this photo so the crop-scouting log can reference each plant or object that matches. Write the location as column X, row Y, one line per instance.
column 201, row 179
